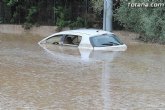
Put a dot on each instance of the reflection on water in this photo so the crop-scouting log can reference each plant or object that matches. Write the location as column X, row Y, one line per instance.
column 85, row 55
column 75, row 54
column 105, row 86
column 65, row 78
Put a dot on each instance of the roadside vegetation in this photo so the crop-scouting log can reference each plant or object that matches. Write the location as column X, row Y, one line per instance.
column 62, row 13
column 149, row 22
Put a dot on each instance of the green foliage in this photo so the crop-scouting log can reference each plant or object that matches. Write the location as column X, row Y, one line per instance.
column 79, row 23
column 97, row 5
column 15, row 15
column 62, row 13
column 10, row 2
column 27, row 26
column 149, row 22
column 63, row 19
column 31, row 14
column 62, row 16
column 1, row 20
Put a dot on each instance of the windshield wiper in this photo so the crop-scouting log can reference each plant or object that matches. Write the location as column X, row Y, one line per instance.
column 110, row 43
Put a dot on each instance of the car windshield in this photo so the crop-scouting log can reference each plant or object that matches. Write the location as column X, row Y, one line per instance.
column 105, row 40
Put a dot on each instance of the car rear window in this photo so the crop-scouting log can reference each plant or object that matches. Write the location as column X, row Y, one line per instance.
column 105, row 40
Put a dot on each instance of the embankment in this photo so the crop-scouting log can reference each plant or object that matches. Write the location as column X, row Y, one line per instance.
column 17, row 29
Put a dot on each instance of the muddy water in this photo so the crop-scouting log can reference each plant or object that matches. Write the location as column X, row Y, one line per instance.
column 61, row 78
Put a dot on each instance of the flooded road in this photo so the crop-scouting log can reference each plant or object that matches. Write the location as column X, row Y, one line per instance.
column 65, row 78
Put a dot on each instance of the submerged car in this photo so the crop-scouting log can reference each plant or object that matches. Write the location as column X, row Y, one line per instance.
column 86, row 39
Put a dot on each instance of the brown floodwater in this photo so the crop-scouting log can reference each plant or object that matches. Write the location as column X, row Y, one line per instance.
column 50, row 77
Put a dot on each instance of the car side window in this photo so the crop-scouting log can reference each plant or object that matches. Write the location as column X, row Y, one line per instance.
column 72, row 40
column 54, row 39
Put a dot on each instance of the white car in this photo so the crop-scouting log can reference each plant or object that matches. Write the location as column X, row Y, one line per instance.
column 86, row 39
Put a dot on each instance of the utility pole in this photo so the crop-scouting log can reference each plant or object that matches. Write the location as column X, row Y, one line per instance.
column 107, row 17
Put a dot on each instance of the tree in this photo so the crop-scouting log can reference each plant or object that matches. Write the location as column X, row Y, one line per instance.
column 73, row 13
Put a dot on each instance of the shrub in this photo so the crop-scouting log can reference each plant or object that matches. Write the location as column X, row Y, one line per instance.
column 149, row 22
column 32, row 11
column 1, row 20
column 27, row 26
column 79, row 23
column 62, row 17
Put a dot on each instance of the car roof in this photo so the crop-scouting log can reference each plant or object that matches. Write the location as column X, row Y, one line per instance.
column 85, row 32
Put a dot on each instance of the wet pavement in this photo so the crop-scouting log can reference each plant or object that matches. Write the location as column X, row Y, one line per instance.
column 65, row 78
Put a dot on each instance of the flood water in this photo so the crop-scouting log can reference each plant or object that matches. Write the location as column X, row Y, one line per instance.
column 48, row 77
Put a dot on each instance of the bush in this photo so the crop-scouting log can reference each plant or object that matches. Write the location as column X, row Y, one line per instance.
column 1, row 20
column 27, row 26
column 79, row 23
column 149, row 22
column 62, row 17
column 30, row 18
column 64, row 20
